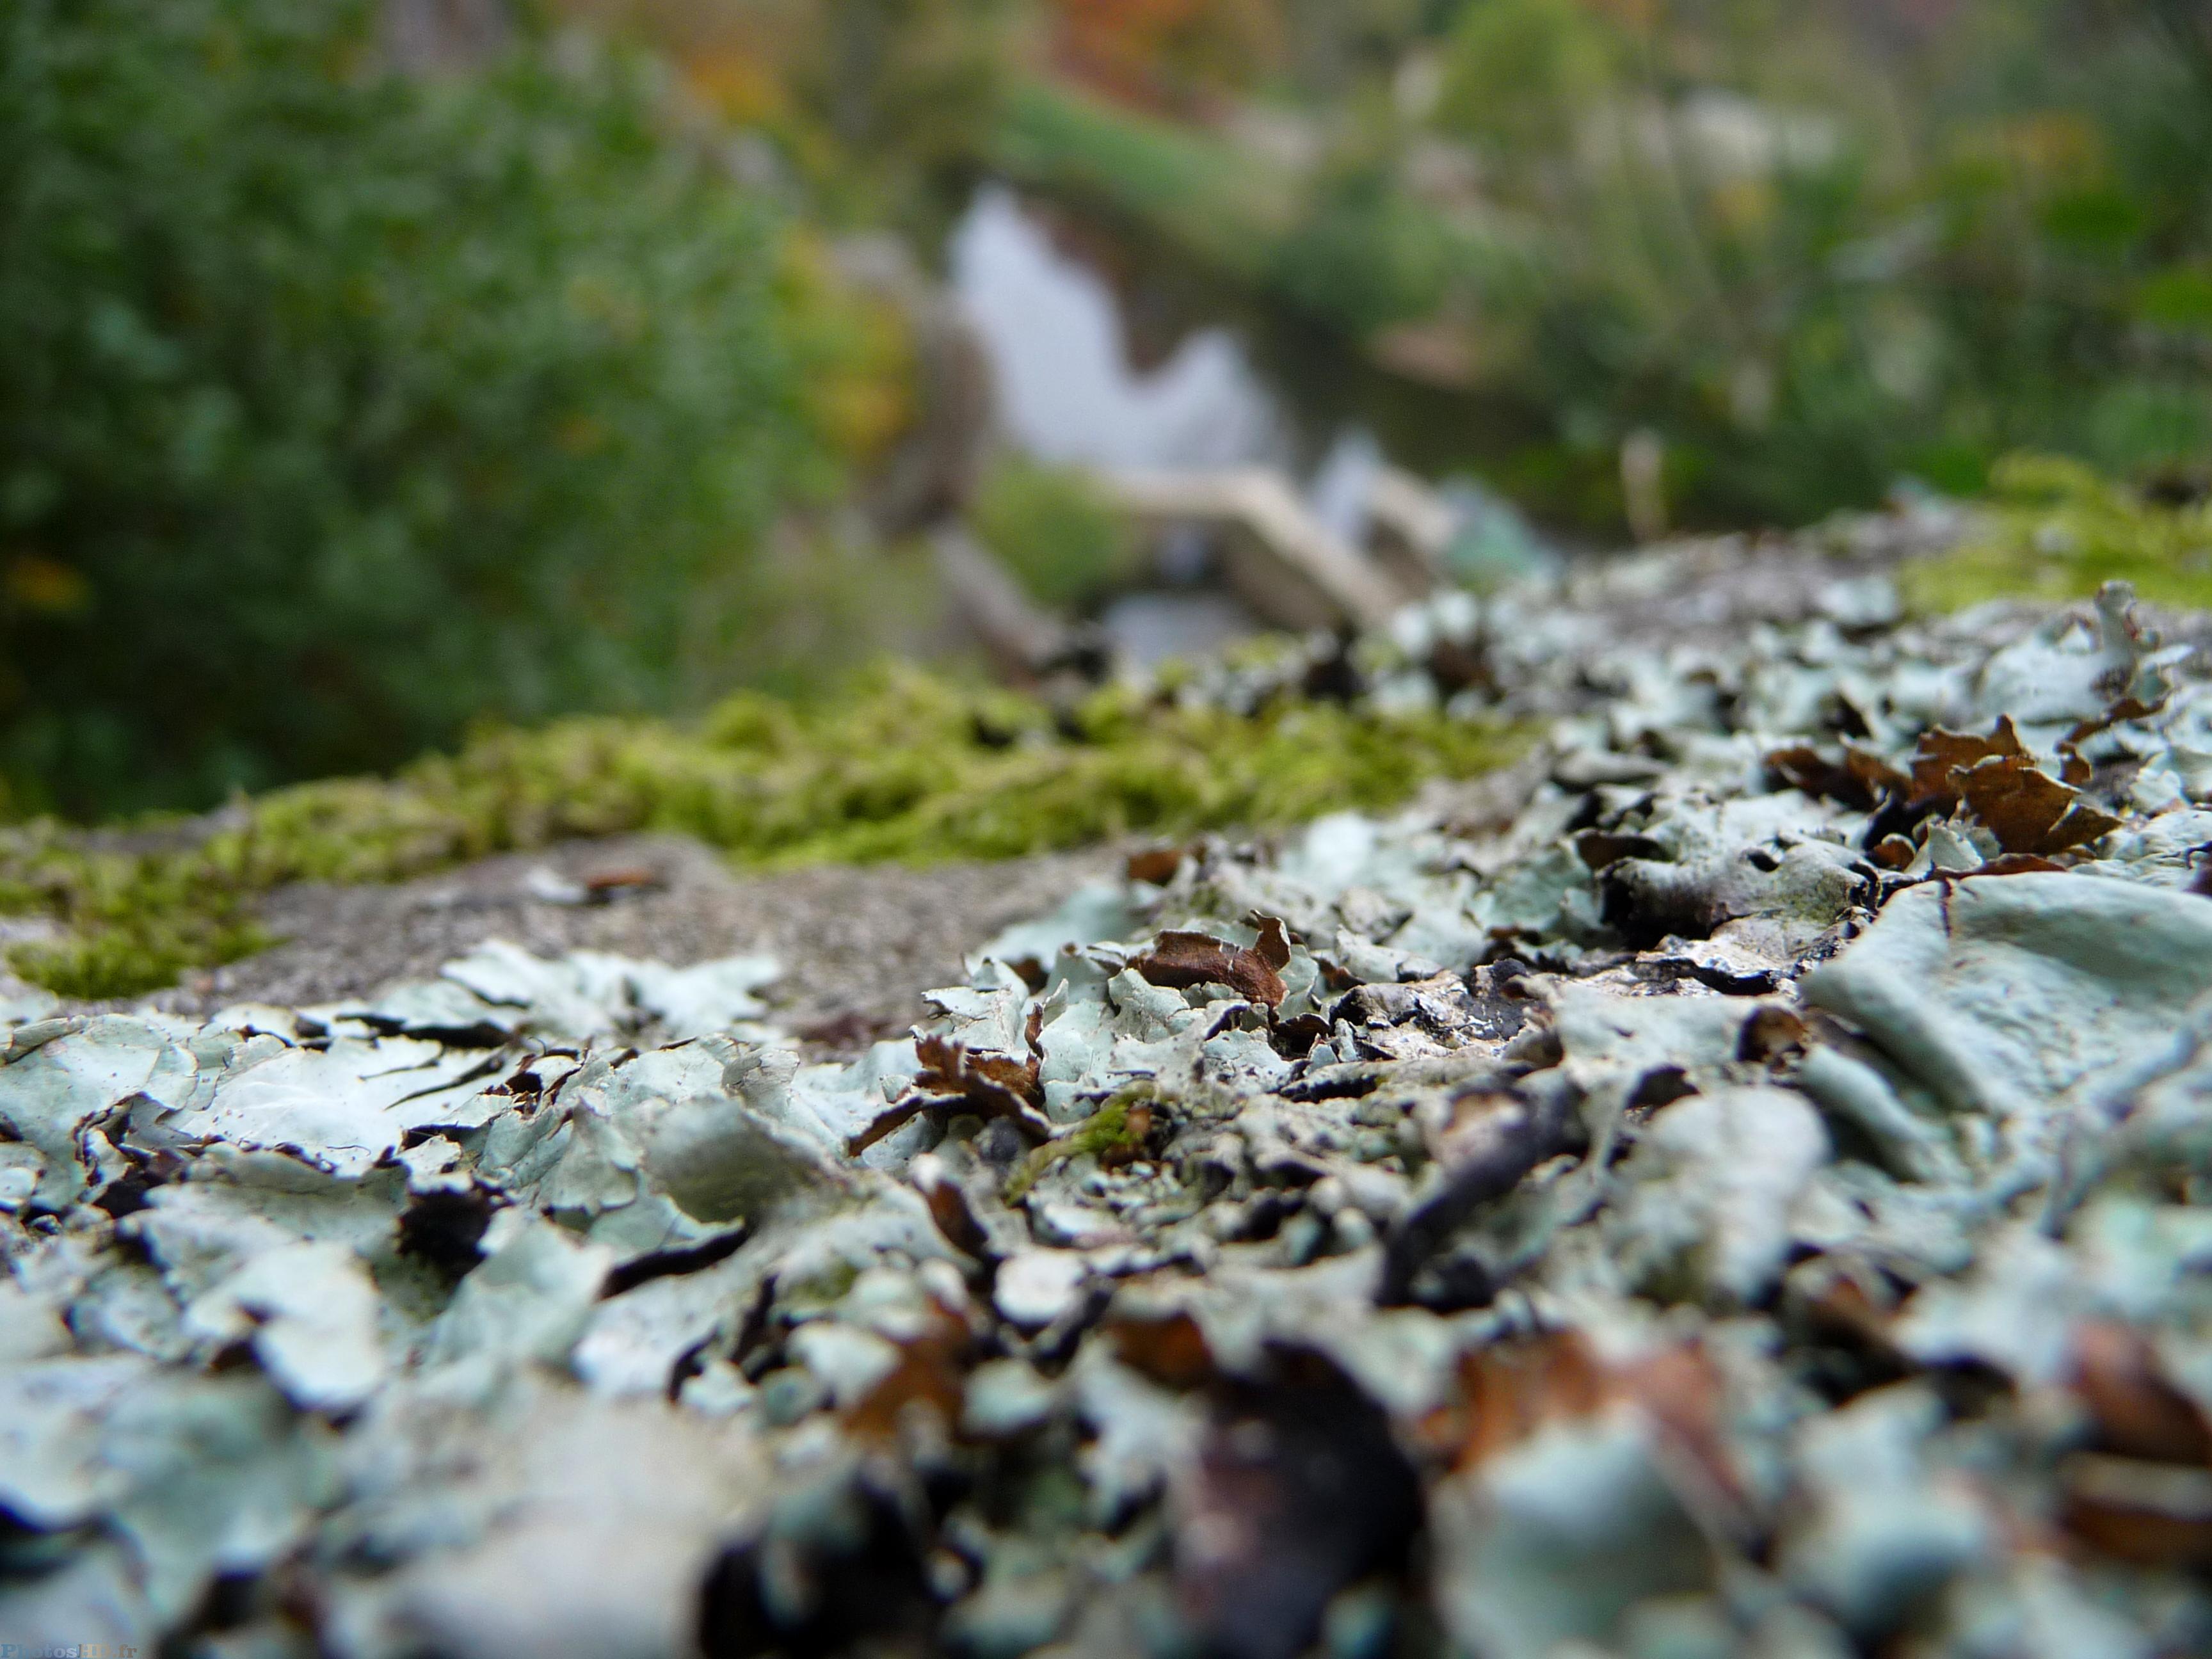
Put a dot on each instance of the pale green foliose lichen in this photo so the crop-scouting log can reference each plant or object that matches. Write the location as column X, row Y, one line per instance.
column 1717, row 1198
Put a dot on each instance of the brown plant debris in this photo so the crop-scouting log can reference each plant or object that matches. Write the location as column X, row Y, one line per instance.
column 1181, row 960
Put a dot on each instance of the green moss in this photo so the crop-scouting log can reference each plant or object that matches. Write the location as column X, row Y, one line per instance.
column 909, row 769
column 2055, row 529
column 1104, row 1131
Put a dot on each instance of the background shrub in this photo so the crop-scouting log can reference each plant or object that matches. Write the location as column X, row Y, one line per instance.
column 1054, row 530
column 340, row 409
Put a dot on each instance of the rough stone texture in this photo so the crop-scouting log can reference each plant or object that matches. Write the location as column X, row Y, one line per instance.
column 858, row 945
column 1708, row 1192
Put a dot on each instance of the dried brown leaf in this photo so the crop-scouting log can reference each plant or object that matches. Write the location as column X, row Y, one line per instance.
column 1181, row 960
column 1941, row 753
column 1859, row 779
column 989, row 1084
column 2029, row 810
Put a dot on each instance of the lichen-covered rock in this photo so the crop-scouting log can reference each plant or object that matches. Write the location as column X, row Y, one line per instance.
column 1725, row 1193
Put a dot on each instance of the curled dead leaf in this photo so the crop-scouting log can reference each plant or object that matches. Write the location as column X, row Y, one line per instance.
column 1995, row 778
column 1941, row 753
column 2029, row 811
column 1858, row 779
column 1181, row 960
column 992, row 1085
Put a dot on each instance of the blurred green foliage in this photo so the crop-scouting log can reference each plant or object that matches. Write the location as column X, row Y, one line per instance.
column 1204, row 196
column 908, row 767
column 341, row 409
column 1052, row 528
column 2055, row 530
column 1814, row 247
column 1811, row 245
column 877, row 108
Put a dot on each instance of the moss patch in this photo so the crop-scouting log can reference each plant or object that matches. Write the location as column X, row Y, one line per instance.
column 132, row 923
column 910, row 768
column 2055, row 530
column 1121, row 1125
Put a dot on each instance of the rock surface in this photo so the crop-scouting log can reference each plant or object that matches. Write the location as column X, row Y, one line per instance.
column 1737, row 1186
column 857, row 946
